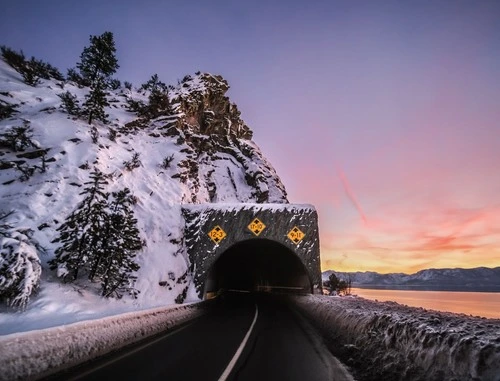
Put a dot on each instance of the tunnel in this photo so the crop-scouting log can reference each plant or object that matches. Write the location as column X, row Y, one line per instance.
column 252, row 247
column 257, row 265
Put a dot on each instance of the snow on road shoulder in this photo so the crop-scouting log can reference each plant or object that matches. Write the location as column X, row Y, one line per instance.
column 35, row 354
column 386, row 340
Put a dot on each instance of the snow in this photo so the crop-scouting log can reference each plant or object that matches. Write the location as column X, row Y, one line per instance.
column 43, row 352
column 387, row 340
column 230, row 206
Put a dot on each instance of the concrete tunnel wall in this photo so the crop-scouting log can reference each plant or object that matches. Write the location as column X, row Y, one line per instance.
column 237, row 240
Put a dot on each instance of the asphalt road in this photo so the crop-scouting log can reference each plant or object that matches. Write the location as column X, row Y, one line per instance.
column 245, row 337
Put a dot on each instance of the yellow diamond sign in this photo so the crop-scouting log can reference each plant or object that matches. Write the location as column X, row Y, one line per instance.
column 256, row 226
column 296, row 235
column 217, row 234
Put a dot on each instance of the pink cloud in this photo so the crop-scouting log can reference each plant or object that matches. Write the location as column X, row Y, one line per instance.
column 350, row 194
column 470, row 237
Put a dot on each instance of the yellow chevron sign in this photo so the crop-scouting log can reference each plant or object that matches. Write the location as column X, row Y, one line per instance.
column 256, row 226
column 296, row 235
column 217, row 234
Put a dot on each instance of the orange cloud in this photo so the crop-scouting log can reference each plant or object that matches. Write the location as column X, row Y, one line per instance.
column 406, row 242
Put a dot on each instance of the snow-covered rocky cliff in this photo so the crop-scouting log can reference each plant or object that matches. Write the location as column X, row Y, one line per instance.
column 200, row 151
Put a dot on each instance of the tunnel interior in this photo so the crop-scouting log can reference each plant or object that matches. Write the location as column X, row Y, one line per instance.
column 258, row 265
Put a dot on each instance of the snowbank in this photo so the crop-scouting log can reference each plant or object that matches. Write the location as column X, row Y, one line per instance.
column 36, row 354
column 386, row 340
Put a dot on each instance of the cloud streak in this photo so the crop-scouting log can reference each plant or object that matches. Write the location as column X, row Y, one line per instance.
column 350, row 194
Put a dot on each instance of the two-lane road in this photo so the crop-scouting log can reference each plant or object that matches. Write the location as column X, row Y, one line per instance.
column 245, row 337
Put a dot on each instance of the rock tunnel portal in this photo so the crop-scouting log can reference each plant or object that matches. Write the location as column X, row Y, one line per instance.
column 253, row 247
column 258, row 265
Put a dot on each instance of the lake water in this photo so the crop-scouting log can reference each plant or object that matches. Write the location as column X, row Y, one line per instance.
column 486, row 304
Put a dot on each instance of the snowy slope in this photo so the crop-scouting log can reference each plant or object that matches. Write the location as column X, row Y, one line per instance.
column 213, row 159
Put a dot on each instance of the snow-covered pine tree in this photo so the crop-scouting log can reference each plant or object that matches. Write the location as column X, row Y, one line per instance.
column 97, row 63
column 81, row 232
column 120, row 246
column 70, row 103
column 18, row 138
column 20, row 267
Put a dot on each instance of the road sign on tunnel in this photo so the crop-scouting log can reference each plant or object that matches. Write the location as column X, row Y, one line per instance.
column 217, row 234
column 296, row 235
column 256, row 226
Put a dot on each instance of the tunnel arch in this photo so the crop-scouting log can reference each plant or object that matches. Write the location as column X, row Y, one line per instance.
column 258, row 265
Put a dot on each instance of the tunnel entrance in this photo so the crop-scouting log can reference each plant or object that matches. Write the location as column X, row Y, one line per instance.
column 258, row 265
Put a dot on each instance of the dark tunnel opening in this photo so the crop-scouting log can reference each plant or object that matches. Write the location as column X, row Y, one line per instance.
column 258, row 265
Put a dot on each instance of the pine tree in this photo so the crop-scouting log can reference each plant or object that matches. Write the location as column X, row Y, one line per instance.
column 31, row 70
column 98, row 63
column 159, row 102
column 70, row 103
column 74, row 76
column 30, row 75
column 19, row 138
column 154, row 83
column 20, row 268
column 101, row 238
column 81, row 233
column 119, row 248
column 15, row 59
column 95, row 101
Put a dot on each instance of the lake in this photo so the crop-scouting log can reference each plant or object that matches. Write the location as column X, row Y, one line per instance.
column 486, row 304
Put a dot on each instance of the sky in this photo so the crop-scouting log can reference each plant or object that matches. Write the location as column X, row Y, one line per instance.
column 385, row 115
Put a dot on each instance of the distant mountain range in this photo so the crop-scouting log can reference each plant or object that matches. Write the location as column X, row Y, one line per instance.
column 478, row 279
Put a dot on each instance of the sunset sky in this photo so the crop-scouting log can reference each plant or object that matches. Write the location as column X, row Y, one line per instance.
column 383, row 114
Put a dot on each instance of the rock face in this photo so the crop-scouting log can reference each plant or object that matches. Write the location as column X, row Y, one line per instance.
column 206, row 109
column 222, row 163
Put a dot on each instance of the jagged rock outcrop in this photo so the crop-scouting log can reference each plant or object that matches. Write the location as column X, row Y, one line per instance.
column 206, row 109
column 212, row 132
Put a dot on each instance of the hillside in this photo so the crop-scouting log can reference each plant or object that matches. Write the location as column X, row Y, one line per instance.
column 477, row 279
column 199, row 151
